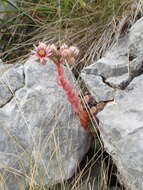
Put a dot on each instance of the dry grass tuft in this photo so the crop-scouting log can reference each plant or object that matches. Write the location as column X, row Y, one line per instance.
column 92, row 27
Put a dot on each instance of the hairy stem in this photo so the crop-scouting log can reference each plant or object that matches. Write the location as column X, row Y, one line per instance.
column 72, row 96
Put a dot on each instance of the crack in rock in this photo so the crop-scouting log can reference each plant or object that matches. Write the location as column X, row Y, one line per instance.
column 12, row 80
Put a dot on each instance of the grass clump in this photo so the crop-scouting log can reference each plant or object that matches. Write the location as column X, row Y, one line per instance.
column 90, row 25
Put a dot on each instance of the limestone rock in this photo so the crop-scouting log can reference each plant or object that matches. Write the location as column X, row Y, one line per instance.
column 114, row 63
column 10, row 81
column 112, row 70
column 40, row 137
column 121, row 121
column 121, row 129
column 98, row 89
column 115, row 82
column 4, row 67
column 136, row 47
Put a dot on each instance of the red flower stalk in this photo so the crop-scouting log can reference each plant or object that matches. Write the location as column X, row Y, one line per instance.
column 72, row 97
column 68, row 89
column 58, row 56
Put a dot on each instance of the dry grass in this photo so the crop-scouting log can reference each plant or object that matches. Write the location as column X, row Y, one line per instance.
column 90, row 26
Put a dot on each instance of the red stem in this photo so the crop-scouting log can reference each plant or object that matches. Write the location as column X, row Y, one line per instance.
column 72, row 96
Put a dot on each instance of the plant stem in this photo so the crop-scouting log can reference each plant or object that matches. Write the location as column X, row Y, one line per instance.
column 72, row 96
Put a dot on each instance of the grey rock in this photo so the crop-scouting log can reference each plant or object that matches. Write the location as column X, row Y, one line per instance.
column 117, row 82
column 121, row 125
column 109, row 67
column 110, row 72
column 136, row 47
column 115, row 61
column 41, row 140
column 10, row 81
column 98, row 89
column 14, row 78
column 121, row 121
column 91, row 69
column 136, row 38
column 4, row 67
column 124, row 101
column 5, row 94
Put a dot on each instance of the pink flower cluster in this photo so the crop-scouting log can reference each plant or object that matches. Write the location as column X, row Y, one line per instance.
column 58, row 56
column 43, row 51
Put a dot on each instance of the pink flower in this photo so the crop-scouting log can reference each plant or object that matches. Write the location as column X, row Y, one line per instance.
column 68, row 52
column 42, row 52
column 65, row 53
column 53, row 48
column 64, row 46
column 58, row 56
column 74, row 51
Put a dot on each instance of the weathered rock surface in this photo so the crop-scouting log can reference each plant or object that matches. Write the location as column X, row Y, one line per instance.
column 41, row 140
column 121, row 121
column 108, row 73
column 99, row 90
column 121, row 125
column 136, row 48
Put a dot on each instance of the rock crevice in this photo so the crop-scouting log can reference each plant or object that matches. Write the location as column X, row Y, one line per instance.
column 11, row 81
